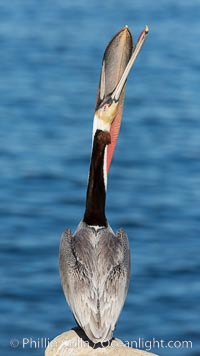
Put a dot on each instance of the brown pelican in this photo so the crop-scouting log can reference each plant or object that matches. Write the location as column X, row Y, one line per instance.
column 95, row 262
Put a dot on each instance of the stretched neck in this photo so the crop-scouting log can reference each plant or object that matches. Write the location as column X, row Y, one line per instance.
column 96, row 194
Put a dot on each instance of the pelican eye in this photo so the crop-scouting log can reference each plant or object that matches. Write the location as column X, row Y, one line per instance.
column 106, row 106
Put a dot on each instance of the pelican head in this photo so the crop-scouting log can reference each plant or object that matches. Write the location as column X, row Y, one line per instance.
column 118, row 59
column 94, row 261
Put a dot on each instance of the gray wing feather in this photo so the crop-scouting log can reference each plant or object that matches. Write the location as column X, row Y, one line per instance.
column 95, row 278
column 115, row 285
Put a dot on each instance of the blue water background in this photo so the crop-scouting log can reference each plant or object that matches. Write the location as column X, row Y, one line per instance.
column 50, row 59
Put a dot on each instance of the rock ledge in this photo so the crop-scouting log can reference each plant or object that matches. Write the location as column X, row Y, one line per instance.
column 70, row 344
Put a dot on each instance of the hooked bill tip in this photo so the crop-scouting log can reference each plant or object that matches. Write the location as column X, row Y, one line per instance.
column 146, row 29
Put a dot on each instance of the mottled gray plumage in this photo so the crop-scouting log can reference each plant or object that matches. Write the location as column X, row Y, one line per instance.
column 94, row 269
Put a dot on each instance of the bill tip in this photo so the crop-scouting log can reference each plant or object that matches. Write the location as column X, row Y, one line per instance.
column 146, row 29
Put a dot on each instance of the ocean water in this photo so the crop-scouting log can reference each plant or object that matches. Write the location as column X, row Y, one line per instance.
column 50, row 62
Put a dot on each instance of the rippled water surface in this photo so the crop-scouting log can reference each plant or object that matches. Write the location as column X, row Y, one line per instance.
column 49, row 68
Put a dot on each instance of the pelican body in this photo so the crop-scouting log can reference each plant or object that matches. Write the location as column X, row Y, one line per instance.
column 94, row 261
